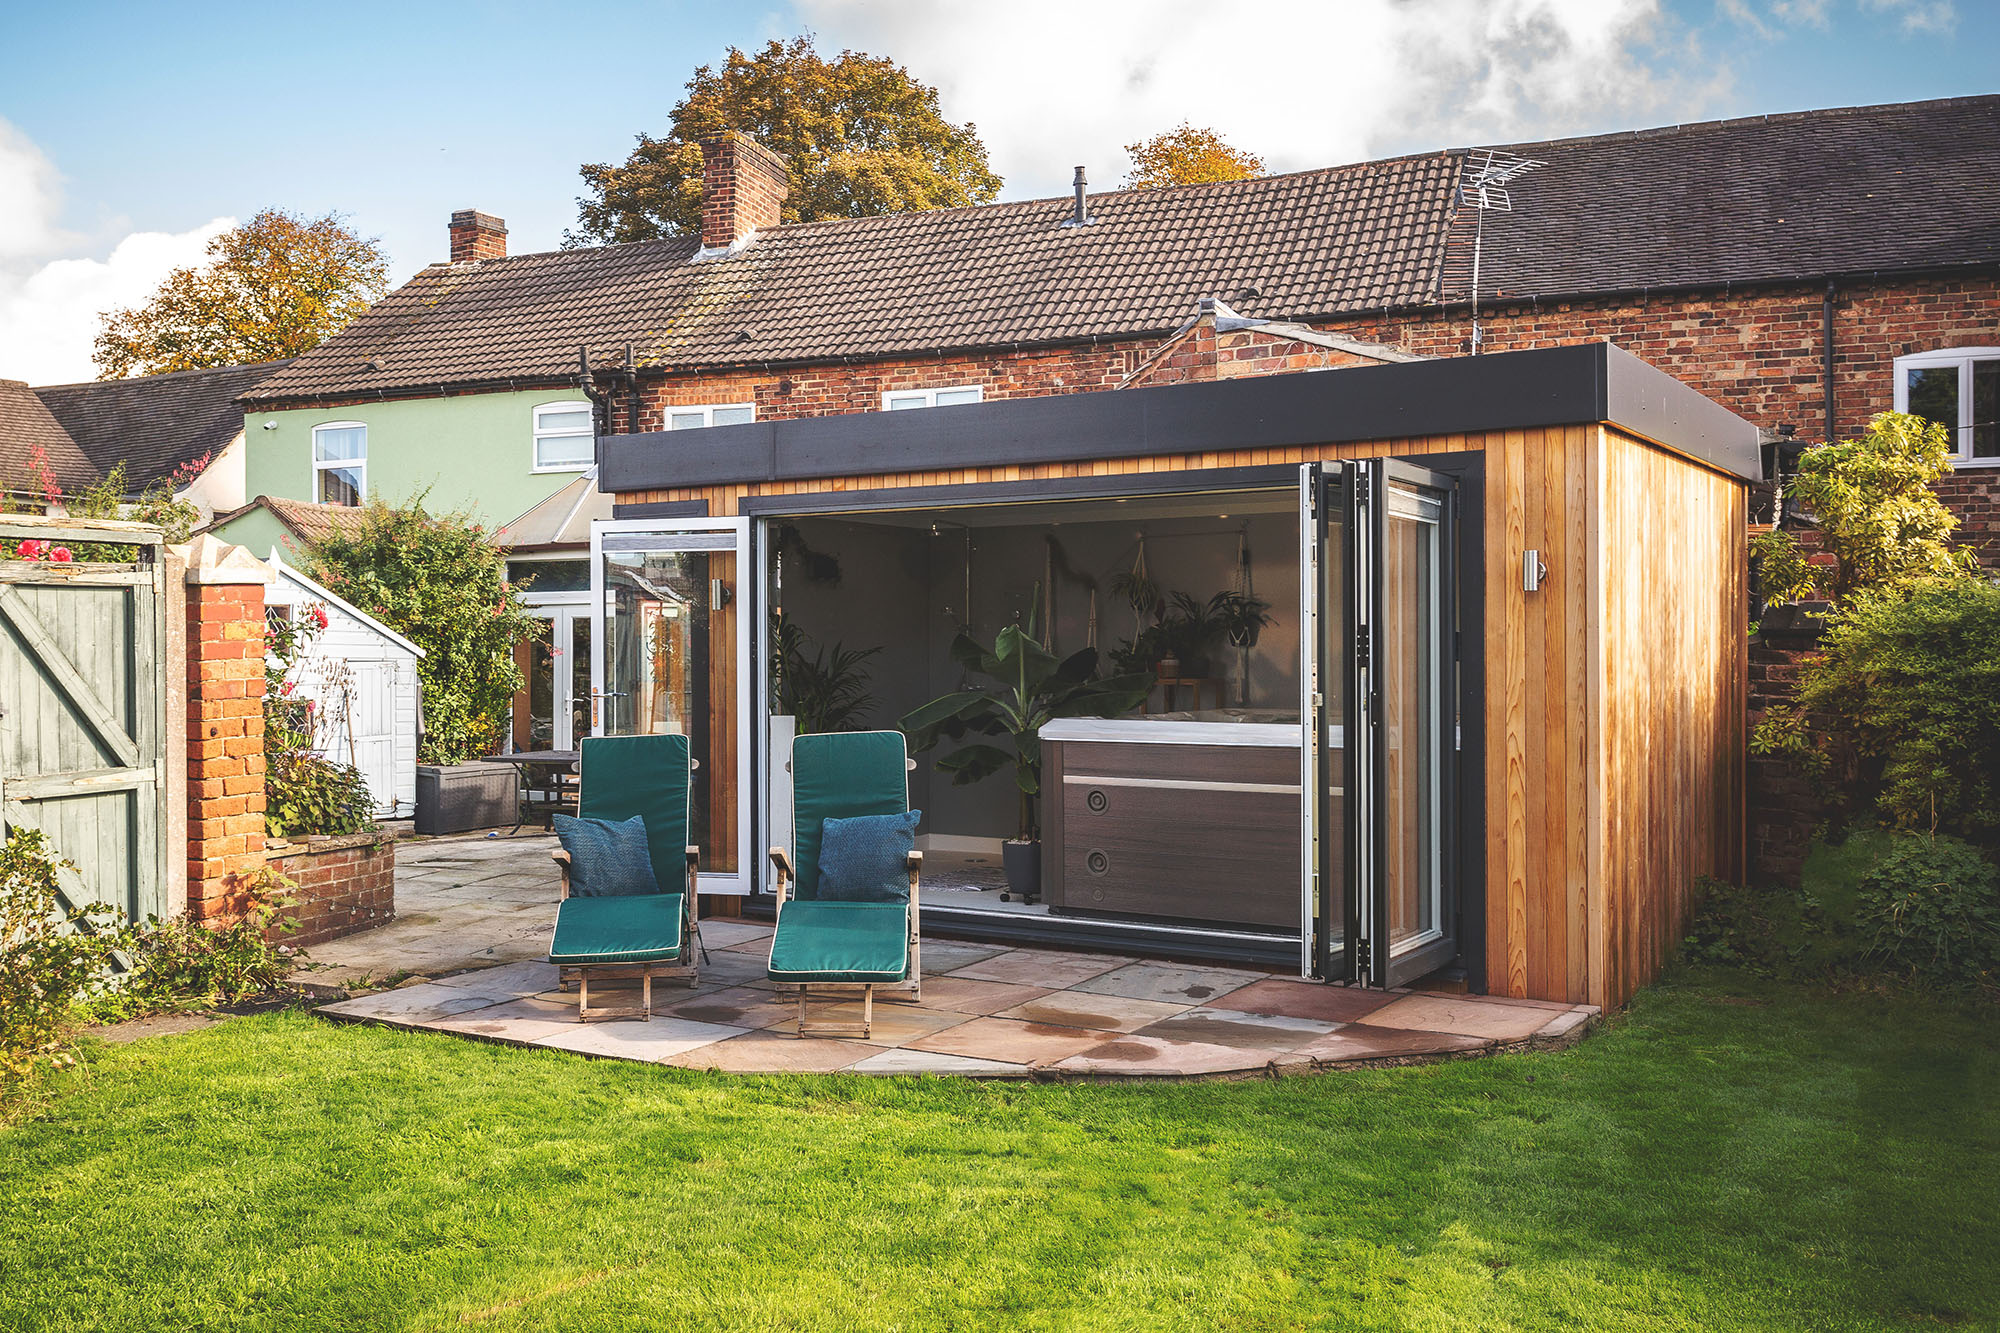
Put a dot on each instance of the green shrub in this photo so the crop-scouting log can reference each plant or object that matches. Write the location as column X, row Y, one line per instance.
column 1877, row 514
column 439, row 581
column 306, row 793
column 48, row 963
column 181, row 964
column 1784, row 933
column 1783, row 572
column 1900, row 710
column 1930, row 912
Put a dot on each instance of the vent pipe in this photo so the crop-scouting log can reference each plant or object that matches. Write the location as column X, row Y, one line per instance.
column 1080, row 216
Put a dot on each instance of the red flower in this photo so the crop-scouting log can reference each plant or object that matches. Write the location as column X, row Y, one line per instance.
column 318, row 616
column 29, row 549
column 60, row 555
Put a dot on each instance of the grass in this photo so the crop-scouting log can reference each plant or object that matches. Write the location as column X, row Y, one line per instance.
column 1726, row 1155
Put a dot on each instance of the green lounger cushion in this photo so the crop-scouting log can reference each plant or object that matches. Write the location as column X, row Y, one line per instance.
column 629, row 928
column 647, row 776
column 828, row 942
column 840, row 775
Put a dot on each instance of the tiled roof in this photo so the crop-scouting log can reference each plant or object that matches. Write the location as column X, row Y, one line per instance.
column 1844, row 191
column 25, row 422
column 310, row 523
column 1316, row 243
column 155, row 424
column 1849, row 190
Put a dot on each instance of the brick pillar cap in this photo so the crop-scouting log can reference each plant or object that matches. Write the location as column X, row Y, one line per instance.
column 210, row 560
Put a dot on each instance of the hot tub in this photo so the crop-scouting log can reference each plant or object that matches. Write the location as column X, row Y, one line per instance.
column 1184, row 818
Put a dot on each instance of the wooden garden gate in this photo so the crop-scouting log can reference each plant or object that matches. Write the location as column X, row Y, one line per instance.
column 83, row 707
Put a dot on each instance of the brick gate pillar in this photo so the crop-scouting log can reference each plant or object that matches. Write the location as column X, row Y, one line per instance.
column 225, row 721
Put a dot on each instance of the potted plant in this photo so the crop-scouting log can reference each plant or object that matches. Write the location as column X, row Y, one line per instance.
column 822, row 688
column 1243, row 617
column 1033, row 688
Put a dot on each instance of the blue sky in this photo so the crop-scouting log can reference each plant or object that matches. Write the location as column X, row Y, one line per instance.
column 131, row 132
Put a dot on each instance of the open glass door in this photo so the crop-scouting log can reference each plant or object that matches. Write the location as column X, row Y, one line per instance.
column 1386, row 739
column 673, row 656
column 1326, row 635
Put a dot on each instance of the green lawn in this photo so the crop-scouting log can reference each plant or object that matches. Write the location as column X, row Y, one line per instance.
column 1805, row 1161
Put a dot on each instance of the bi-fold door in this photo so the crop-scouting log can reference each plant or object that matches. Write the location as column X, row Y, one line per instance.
column 1379, row 710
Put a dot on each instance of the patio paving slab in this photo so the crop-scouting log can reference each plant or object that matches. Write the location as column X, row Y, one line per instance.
column 1462, row 1015
column 410, row 1005
column 524, row 1021
column 1224, row 1027
column 1037, row 967
column 733, row 1006
column 655, row 1040
column 772, row 1053
column 1010, row 1040
column 507, row 982
column 903, row 1060
column 1165, row 981
column 1098, row 1013
column 1134, row 1054
column 951, row 955
column 719, row 932
column 893, row 1025
column 1363, row 1041
column 966, row 996
column 1304, row 999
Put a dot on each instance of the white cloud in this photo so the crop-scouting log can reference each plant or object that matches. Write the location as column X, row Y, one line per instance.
column 1938, row 16
column 50, row 298
column 1051, row 82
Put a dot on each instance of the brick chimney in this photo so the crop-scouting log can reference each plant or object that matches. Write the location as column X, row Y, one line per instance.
column 476, row 235
column 743, row 184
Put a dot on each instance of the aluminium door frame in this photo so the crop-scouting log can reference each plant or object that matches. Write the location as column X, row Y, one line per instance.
column 738, row 882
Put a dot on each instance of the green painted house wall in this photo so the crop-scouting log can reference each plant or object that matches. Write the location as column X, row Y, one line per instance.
column 474, row 452
column 257, row 532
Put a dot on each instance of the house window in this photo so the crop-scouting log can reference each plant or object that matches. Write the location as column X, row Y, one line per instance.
column 725, row 414
column 1959, row 388
column 898, row 400
column 340, row 463
column 565, row 439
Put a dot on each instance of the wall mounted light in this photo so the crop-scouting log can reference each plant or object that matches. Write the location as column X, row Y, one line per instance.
column 1533, row 571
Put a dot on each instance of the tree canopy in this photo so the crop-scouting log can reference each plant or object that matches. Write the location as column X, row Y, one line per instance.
column 274, row 287
column 1188, row 155
column 859, row 135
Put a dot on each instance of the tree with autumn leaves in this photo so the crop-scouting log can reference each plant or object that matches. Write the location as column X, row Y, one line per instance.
column 272, row 288
column 1188, row 155
column 860, row 137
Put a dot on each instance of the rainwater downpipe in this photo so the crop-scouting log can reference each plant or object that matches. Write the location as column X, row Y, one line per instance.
column 1826, row 371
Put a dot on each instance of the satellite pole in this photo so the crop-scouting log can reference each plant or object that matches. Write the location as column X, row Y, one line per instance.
column 1484, row 187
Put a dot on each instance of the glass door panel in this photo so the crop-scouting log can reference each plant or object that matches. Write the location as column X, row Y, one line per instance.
column 670, row 652
column 1412, row 673
column 534, row 703
column 1329, row 559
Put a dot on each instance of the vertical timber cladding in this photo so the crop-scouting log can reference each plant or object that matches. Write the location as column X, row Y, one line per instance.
column 83, row 698
column 1614, row 696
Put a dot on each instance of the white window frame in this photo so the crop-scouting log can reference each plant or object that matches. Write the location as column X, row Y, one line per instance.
column 1962, row 358
column 359, row 464
column 930, row 395
column 707, row 410
column 535, row 455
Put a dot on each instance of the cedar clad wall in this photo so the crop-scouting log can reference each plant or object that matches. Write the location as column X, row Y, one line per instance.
column 1615, row 695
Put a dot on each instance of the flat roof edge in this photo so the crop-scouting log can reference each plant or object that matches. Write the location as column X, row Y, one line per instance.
column 1556, row 386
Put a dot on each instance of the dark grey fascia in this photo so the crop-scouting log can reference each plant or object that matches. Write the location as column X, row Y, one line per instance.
column 1556, row 386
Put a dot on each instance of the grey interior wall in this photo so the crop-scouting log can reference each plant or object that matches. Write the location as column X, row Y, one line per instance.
column 906, row 588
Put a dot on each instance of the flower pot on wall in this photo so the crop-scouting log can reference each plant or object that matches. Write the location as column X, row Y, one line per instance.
column 1023, row 862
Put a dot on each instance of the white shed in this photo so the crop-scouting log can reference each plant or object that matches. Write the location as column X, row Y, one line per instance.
column 363, row 677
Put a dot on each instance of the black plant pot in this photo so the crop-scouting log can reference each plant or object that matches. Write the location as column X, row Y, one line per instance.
column 1245, row 636
column 1023, row 861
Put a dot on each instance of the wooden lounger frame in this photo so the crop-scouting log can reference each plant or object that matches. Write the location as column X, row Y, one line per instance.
column 902, row 992
column 688, row 972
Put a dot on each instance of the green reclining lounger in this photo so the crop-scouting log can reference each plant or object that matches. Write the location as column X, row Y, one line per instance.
column 838, row 949
column 637, row 935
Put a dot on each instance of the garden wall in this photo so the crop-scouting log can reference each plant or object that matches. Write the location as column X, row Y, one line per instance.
column 344, row 884
column 1783, row 804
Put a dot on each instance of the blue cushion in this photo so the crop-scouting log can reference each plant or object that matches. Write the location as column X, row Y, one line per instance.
column 863, row 860
column 607, row 859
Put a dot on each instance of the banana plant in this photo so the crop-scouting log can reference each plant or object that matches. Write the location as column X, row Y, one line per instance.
column 1033, row 688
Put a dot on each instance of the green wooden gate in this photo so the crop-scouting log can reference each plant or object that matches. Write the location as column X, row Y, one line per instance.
column 83, row 706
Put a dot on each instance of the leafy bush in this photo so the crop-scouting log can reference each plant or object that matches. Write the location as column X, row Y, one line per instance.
column 439, row 581
column 1767, row 932
column 1877, row 513
column 1783, row 572
column 183, row 964
column 46, row 966
column 1900, row 711
column 1930, row 912
column 306, row 793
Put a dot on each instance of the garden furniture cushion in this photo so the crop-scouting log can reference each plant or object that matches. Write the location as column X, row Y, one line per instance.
column 839, row 775
column 623, row 776
column 606, row 857
column 866, row 859
column 629, row 928
column 821, row 941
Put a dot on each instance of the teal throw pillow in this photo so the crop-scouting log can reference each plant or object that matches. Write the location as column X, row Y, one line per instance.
column 607, row 859
column 862, row 860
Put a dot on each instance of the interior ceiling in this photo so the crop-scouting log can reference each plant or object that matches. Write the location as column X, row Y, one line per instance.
column 1055, row 513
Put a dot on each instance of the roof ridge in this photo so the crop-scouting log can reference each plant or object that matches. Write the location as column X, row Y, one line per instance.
column 169, row 374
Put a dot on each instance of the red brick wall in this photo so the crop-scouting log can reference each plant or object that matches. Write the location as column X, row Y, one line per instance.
column 1783, row 806
column 344, row 884
column 225, row 723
